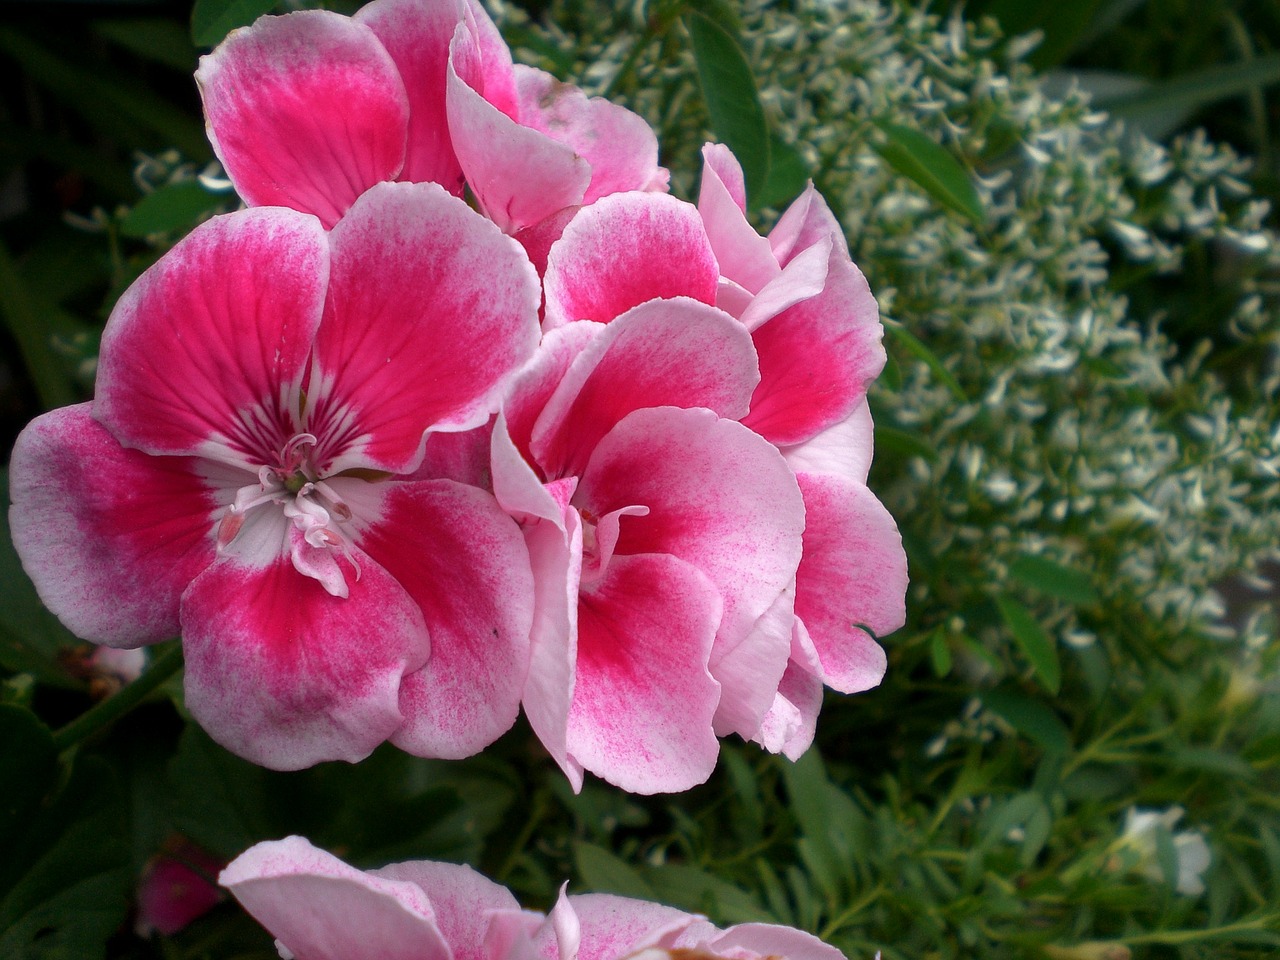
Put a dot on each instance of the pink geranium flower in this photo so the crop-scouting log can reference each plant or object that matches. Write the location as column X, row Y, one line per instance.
column 664, row 538
column 816, row 331
column 246, row 476
column 319, row 908
column 310, row 109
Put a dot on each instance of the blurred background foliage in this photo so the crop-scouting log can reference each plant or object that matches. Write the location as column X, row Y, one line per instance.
column 1077, row 432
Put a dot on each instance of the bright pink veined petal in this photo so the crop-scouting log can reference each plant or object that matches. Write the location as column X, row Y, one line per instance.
column 744, row 256
column 110, row 537
column 644, row 700
column 431, row 310
column 678, row 353
column 205, row 353
column 283, row 674
column 463, row 561
column 722, row 499
column 844, row 449
column 854, row 574
column 460, row 898
column 817, row 358
column 618, row 144
column 305, row 111
column 611, row 927
column 519, row 175
column 417, row 34
column 624, row 249
column 319, row 908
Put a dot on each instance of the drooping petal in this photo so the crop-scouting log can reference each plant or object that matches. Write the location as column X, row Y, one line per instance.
column 611, row 927
column 205, row 353
column 619, row 146
column 319, row 908
column 463, row 561
column 817, row 358
column 644, row 700
column 110, row 537
column 844, row 449
column 283, row 674
column 305, row 111
column 744, row 256
column 807, row 221
column 461, row 901
column 519, row 175
column 430, row 312
column 722, row 499
column 789, row 726
column 853, row 575
column 625, row 249
column 678, row 353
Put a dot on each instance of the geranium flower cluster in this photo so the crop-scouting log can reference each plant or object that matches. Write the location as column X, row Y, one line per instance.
column 396, row 465
column 319, row 908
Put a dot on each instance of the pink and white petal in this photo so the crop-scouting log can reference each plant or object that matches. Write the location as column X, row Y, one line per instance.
column 462, row 901
column 853, row 575
column 417, row 34
column 538, row 238
column 285, row 675
column 205, row 353
column 611, row 927
column 789, row 726
column 458, row 456
column 677, row 353
column 519, row 175
column 538, row 379
column 803, row 279
column 622, row 250
column 431, row 311
column 618, row 144
column 110, row 537
column 495, row 78
column 305, row 111
column 771, row 940
column 744, row 256
column 644, row 699
column 817, row 358
column 319, row 908
column 463, row 561
column 844, row 449
column 724, row 500
column 807, row 221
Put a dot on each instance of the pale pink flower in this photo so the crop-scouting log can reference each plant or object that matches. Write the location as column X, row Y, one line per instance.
column 816, row 331
column 310, row 109
column 265, row 392
column 664, row 538
column 319, row 908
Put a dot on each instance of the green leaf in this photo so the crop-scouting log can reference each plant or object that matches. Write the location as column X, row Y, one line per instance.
column 1029, row 717
column 28, row 766
column 733, row 104
column 696, row 890
column 1035, row 644
column 1063, row 24
column 64, row 883
column 603, row 872
column 904, row 443
column 219, row 800
column 212, row 20
column 939, row 652
column 917, row 349
column 788, row 174
column 1193, row 90
column 925, row 162
column 1055, row 579
column 175, row 206
column 20, row 315
column 155, row 39
column 1208, row 760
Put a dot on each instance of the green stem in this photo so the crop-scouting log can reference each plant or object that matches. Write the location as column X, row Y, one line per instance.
column 1174, row 938
column 537, row 807
column 117, row 705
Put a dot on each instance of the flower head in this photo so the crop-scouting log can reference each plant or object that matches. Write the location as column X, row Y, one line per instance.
column 1137, row 849
column 248, row 475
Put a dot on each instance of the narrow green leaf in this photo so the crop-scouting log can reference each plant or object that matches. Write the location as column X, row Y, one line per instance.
column 28, row 765
column 927, row 163
column 152, row 38
column 729, row 89
column 788, row 174
column 693, row 889
column 175, row 206
column 1208, row 760
column 1029, row 717
column 917, row 349
column 1063, row 25
column 604, row 872
column 1055, row 579
column 1167, row 855
column 1193, row 90
column 19, row 313
column 212, row 20
column 1035, row 644
column 903, row 442
column 939, row 652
